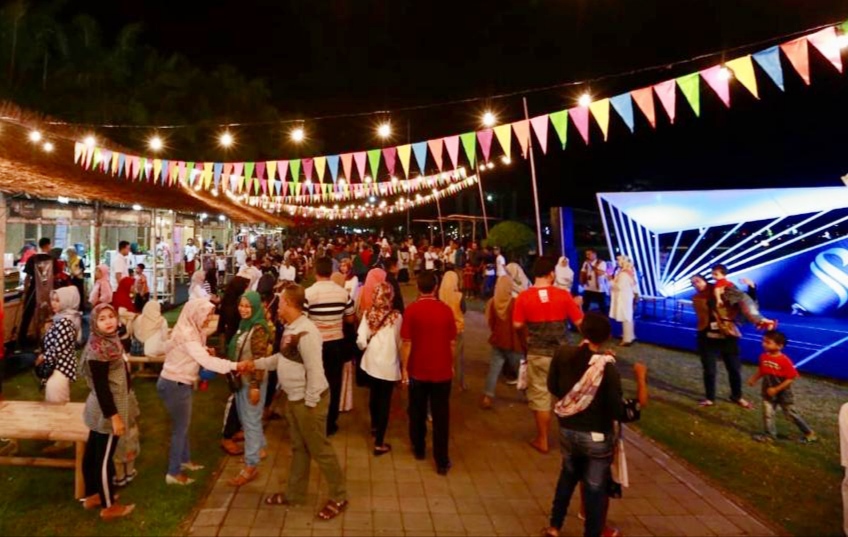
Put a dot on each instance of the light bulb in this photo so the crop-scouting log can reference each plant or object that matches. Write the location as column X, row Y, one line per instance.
column 489, row 119
column 384, row 130
column 47, row 147
column 34, row 136
column 90, row 141
column 136, row 207
column 505, row 159
column 585, row 100
column 155, row 143
column 725, row 74
column 297, row 134
column 226, row 139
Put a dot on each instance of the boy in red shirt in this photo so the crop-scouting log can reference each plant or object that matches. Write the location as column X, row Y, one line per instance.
column 728, row 296
column 778, row 374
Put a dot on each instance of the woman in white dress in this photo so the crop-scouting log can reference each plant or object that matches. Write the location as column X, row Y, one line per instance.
column 564, row 275
column 624, row 294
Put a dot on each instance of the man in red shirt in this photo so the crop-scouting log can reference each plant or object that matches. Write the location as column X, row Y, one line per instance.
column 427, row 356
column 543, row 309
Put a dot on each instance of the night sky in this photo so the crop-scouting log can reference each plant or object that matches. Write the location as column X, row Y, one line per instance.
column 322, row 58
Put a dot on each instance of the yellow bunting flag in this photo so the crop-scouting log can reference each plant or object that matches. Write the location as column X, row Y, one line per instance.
column 601, row 110
column 743, row 70
column 404, row 152
column 320, row 166
column 504, row 134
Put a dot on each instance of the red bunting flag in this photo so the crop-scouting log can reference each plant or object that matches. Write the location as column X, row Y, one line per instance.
column 485, row 139
column 389, row 155
column 796, row 53
column 665, row 91
column 307, row 168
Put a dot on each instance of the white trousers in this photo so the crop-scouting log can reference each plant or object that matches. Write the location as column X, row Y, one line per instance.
column 58, row 388
column 628, row 332
column 845, row 502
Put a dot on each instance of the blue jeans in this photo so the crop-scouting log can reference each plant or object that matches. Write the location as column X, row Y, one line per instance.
column 586, row 461
column 791, row 413
column 177, row 400
column 251, row 421
column 496, row 363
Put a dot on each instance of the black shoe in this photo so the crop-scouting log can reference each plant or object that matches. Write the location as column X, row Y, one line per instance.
column 443, row 470
column 420, row 456
column 332, row 429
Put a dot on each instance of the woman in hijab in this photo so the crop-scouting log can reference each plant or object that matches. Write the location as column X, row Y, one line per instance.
column 76, row 268
column 351, row 282
column 564, row 275
column 106, row 411
column 520, row 282
column 346, row 399
column 624, row 293
column 379, row 337
column 60, row 344
column 185, row 353
column 229, row 319
column 507, row 343
column 101, row 291
column 450, row 294
column 196, row 289
column 375, row 277
column 122, row 298
column 151, row 329
column 251, row 342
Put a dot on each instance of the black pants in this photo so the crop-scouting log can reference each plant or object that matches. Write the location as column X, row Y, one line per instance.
column 232, row 423
column 727, row 349
column 271, row 390
column 436, row 396
column 26, row 319
column 379, row 404
column 334, row 359
column 595, row 297
column 98, row 468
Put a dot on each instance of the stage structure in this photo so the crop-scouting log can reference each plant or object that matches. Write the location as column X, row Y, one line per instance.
column 793, row 242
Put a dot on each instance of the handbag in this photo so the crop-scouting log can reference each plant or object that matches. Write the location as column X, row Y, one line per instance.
column 234, row 380
column 522, row 375
column 44, row 370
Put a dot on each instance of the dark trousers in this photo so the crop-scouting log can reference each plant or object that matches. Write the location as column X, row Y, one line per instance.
column 26, row 319
column 334, row 359
column 586, row 461
column 379, row 403
column 595, row 297
column 98, row 468
column 436, row 397
column 232, row 423
column 726, row 349
column 271, row 390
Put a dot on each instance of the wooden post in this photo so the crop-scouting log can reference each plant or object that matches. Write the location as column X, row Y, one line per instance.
column 173, row 259
column 79, row 481
column 535, row 189
column 98, row 224
column 154, row 232
column 482, row 198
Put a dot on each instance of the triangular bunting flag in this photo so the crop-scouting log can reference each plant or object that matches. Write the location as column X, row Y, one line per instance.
column 308, row 165
column 294, row 166
column 469, row 144
column 743, row 71
column 796, row 53
column 436, row 149
column 347, row 164
column 690, row 86
column 645, row 100
column 218, row 169
column 181, row 172
column 560, row 122
column 485, row 138
column 452, row 143
column 278, row 186
column 769, row 60
column 121, row 161
column 234, row 181
column 105, row 160
column 374, row 161
column 827, row 43
column 188, row 168
column 522, row 133
column 248, row 171
column 580, row 118
column 665, row 91
column 420, row 150
column 504, row 136
column 320, row 167
column 333, row 161
column 390, row 158
column 601, row 110
column 272, row 169
column 260, row 169
column 207, row 174
column 79, row 148
column 115, row 156
column 623, row 106
column 142, row 169
column 238, row 167
column 157, row 168
column 264, row 184
column 404, row 152
column 359, row 158
column 719, row 82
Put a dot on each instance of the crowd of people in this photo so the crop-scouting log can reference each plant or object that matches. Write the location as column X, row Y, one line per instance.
column 280, row 337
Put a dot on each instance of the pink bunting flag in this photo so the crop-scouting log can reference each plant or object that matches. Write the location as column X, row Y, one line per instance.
column 238, row 168
column 579, row 116
column 436, row 149
column 134, row 160
column 826, row 42
column 282, row 169
column 182, row 172
column 359, row 158
column 540, row 127
column 665, row 91
column 390, row 156
column 645, row 101
column 260, row 170
column 452, row 143
column 347, row 161
column 485, row 139
column 264, row 184
column 717, row 78
column 307, row 168
column 796, row 53
column 522, row 132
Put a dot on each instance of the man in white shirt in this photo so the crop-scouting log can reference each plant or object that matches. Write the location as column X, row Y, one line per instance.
column 190, row 252
column 300, row 371
column 240, row 255
column 163, row 251
column 593, row 276
column 843, row 448
column 119, row 267
column 251, row 273
column 500, row 263
column 430, row 257
column 413, row 257
column 288, row 273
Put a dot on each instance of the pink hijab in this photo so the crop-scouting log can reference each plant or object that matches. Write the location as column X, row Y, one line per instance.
column 375, row 277
column 101, row 292
column 189, row 327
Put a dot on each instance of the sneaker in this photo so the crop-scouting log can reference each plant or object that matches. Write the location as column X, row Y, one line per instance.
column 744, row 403
column 191, row 467
column 181, row 480
column 706, row 402
column 809, row 438
column 443, row 470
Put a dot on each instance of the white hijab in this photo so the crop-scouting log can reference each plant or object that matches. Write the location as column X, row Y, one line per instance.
column 69, row 300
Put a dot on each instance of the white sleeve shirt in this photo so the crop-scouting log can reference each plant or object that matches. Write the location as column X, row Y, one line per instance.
column 843, row 434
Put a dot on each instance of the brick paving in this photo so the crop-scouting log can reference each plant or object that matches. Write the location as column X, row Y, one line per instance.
column 498, row 484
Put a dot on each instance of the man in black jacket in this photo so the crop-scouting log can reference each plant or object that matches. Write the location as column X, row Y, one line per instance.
column 392, row 272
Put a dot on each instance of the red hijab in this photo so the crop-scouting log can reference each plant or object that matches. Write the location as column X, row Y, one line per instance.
column 122, row 297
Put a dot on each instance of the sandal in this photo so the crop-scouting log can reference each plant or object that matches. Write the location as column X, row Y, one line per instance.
column 549, row 532
column 278, row 499
column 244, row 477
column 382, row 450
column 332, row 510
column 93, row 501
column 116, row 511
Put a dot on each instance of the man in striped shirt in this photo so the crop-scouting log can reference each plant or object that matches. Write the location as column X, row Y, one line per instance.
column 328, row 305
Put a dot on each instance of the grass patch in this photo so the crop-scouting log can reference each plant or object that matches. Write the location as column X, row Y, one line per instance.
column 793, row 485
column 39, row 501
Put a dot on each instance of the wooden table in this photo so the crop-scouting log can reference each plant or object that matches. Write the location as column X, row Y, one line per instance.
column 142, row 362
column 37, row 420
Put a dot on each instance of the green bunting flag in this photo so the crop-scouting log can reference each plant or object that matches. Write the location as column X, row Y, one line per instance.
column 374, row 161
column 560, row 122
column 294, row 166
column 691, row 89
column 469, row 143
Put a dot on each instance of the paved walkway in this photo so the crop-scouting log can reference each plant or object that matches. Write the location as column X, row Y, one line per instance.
column 498, row 484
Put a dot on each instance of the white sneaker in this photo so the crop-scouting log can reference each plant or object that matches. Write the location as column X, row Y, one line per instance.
column 191, row 467
column 178, row 480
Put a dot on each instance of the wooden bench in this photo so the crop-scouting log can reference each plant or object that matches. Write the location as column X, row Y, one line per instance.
column 142, row 362
column 37, row 420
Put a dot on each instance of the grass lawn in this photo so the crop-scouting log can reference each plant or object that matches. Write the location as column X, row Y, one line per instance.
column 39, row 501
column 793, row 485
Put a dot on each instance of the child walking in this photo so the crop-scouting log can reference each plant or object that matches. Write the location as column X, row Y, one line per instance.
column 727, row 295
column 778, row 373
column 106, row 411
